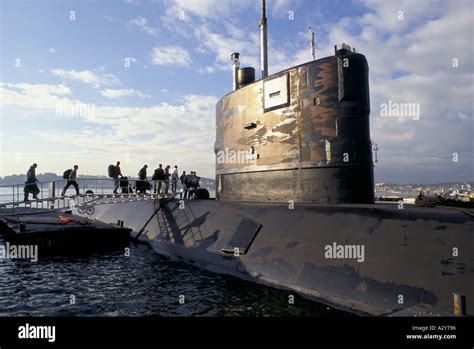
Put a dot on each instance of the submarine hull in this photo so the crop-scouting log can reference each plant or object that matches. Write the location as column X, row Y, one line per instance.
column 391, row 258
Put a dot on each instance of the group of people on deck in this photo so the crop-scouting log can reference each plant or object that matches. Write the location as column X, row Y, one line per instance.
column 162, row 178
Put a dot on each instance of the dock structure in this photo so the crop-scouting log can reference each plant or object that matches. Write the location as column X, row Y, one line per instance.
column 56, row 232
column 49, row 223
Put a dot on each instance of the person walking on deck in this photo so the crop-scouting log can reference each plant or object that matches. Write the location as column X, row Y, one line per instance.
column 117, row 173
column 71, row 176
column 142, row 185
column 30, row 184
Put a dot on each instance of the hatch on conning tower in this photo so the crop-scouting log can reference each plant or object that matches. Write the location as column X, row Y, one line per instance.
column 276, row 92
column 299, row 135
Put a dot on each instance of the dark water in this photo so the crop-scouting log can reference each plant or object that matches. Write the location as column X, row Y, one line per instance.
column 143, row 284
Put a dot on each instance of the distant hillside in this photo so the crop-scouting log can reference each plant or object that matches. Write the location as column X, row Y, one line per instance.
column 441, row 184
column 49, row 177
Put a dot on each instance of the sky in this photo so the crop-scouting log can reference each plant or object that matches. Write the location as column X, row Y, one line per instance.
column 92, row 82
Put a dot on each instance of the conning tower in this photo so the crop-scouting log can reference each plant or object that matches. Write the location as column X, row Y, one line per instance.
column 301, row 134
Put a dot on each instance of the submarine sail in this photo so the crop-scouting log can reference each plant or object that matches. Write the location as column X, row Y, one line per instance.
column 309, row 139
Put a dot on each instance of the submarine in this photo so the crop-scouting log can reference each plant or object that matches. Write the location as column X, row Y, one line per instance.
column 294, row 206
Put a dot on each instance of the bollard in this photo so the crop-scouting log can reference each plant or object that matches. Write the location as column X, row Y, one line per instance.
column 459, row 304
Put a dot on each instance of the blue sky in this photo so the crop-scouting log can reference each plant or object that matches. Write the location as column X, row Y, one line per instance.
column 160, row 108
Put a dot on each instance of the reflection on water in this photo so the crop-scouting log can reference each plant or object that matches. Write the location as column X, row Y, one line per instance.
column 143, row 284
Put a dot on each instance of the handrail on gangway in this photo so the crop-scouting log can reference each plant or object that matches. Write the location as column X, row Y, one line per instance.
column 92, row 190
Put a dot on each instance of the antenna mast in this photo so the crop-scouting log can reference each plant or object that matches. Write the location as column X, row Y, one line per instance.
column 263, row 43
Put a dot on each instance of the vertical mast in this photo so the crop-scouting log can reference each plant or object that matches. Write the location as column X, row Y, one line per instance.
column 263, row 43
column 313, row 48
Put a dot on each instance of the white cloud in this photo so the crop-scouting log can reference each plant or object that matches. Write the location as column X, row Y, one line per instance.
column 181, row 133
column 209, row 8
column 214, row 26
column 52, row 50
column 220, row 39
column 222, row 46
column 411, row 61
column 399, row 16
column 37, row 89
column 111, row 93
column 32, row 99
column 219, row 9
column 170, row 55
column 142, row 24
column 280, row 8
column 96, row 79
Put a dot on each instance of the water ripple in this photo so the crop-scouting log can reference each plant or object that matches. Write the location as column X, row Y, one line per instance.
column 144, row 284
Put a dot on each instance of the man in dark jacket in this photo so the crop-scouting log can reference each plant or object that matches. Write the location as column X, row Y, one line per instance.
column 142, row 184
column 158, row 177
column 31, row 181
column 142, row 173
